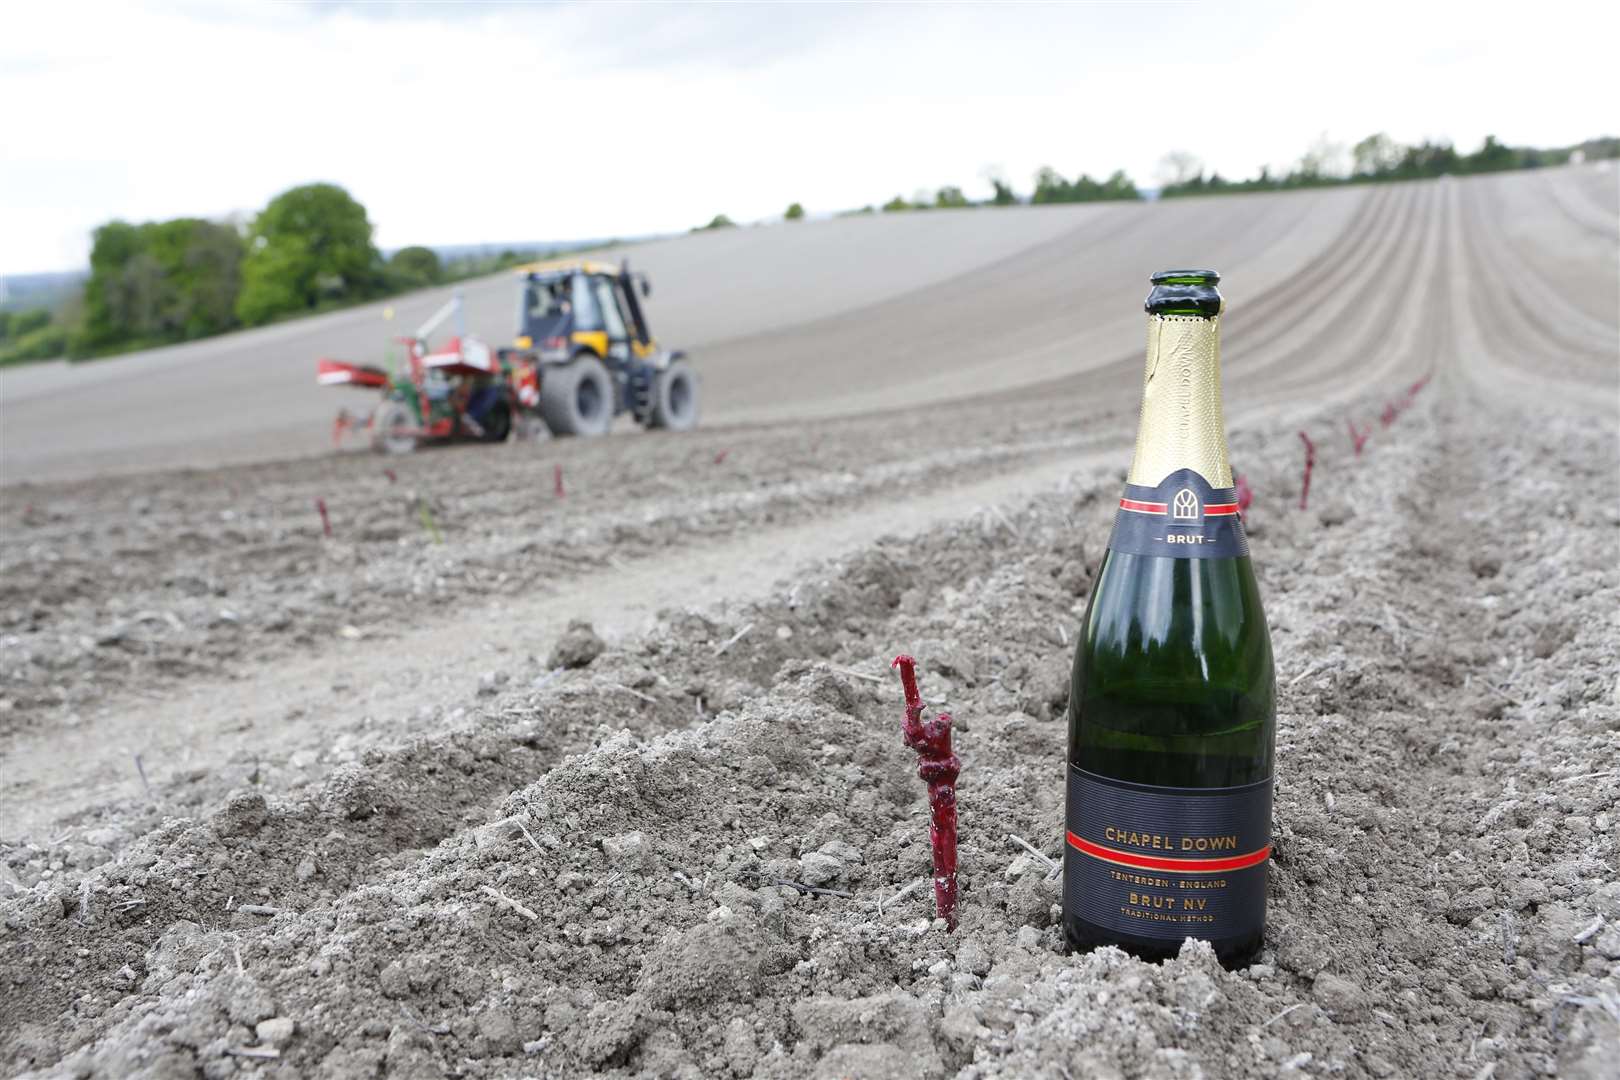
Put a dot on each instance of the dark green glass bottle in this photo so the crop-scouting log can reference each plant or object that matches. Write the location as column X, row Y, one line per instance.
column 1172, row 715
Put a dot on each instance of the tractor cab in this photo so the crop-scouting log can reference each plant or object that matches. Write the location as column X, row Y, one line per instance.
column 564, row 305
column 582, row 328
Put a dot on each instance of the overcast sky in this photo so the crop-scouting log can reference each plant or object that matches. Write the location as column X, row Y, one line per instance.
column 468, row 124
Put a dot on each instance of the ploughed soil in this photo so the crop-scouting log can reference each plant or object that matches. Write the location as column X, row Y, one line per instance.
column 283, row 804
column 688, row 852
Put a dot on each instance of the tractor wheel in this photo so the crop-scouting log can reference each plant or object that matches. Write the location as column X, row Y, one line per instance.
column 674, row 398
column 393, row 427
column 498, row 422
column 576, row 398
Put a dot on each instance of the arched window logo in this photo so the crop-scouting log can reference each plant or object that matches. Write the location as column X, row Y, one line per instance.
column 1185, row 506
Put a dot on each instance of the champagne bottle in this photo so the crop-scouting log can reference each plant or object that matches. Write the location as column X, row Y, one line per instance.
column 1172, row 701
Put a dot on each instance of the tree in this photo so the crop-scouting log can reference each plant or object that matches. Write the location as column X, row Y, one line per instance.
column 274, row 281
column 202, row 269
column 719, row 221
column 413, row 267
column 1178, row 167
column 1049, row 186
column 310, row 242
column 896, row 204
column 159, row 281
column 950, row 197
column 1492, row 157
column 1427, row 159
column 1004, row 195
column 16, row 324
column 1325, row 160
column 1375, row 155
column 794, row 212
column 1120, row 186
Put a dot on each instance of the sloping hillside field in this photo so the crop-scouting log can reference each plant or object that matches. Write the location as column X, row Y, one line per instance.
column 612, row 782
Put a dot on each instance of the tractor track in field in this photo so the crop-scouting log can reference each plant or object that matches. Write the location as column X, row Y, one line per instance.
column 1446, row 808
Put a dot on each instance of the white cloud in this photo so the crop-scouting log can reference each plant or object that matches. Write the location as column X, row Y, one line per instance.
column 507, row 123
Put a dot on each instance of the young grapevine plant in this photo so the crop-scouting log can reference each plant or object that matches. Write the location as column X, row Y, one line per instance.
column 1310, row 463
column 938, row 768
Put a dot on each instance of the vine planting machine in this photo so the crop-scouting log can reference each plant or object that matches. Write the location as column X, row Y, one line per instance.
column 582, row 356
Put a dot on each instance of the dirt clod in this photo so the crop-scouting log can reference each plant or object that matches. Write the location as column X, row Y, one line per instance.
column 577, row 647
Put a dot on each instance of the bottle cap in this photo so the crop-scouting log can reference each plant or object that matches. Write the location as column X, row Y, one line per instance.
column 1185, row 292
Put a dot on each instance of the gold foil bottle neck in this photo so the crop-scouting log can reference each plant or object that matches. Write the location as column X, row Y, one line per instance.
column 1183, row 425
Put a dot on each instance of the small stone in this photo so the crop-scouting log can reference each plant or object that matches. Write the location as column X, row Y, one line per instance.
column 1025, row 863
column 845, row 853
column 783, row 633
column 1028, row 938
column 974, row 957
column 631, row 851
column 244, row 814
column 1467, row 906
column 577, row 647
column 960, row 1027
column 393, row 980
column 306, row 869
column 497, row 1031
column 1336, row 513
column 277, row 1031
column 818, row 868
column 734, row 896
column 1529, row 892
column 1342, row 998
column 1030, row 900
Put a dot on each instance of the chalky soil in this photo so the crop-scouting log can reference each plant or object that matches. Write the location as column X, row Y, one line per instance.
column 726, row 893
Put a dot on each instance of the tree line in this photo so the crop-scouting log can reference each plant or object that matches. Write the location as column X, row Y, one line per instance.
column 159, row 282
column 1378, row 158
column 1375, row 158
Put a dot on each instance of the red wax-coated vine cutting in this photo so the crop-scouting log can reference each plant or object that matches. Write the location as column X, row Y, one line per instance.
column 1387, row 417
column 326, row 522
column 1358, row 438
column 1310, row 463
column 1245, row 494
column 939, row 768
column 556, row 481
column 340, row 426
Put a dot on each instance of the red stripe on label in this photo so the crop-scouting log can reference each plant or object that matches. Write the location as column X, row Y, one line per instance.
column 1220, row 508
column 1142, row 507
column 1184, row 866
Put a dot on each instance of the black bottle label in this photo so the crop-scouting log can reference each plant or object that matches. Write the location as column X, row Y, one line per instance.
column 1164, row 862
column 1183, row 518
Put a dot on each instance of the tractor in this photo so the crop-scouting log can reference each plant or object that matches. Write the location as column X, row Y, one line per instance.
column 582, row 356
